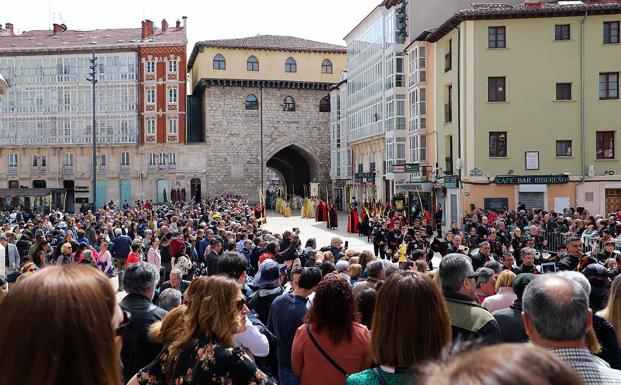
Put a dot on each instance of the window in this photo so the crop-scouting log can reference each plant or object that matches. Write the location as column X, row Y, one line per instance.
column 497, row 37
column 496, row 91
column 219, row 63
column 152, row 159
column 172, row 66
column 172, row 126
column 497, row 144
column 43, row 161
column 326, row 66
column 68, row 159
column 611, row 32
column 172, row 159
column 103, row 160
column 150, row 126
column 448, row 57
column 150, row 67
column 608, row 85
column 125, row 159
column 562, row 32
column 35, row 161
column 563, row 148
column 324, row 104
column 251, row 102
column 605, row 145
column 172, row 95
column 360, row 168
column 563, row 91
column 252, row 64
column 288, row 104
column 150, row 95
column 290, row 65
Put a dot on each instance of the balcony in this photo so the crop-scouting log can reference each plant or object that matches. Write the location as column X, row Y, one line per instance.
column 124, row 168
column 102, row 169
column 67, row 169
column 13, row 170
column 448, row 113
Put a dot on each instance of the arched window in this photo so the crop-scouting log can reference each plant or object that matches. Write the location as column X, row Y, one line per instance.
column 251, row 102
column 324, row 104
column 326, row 66
column 288, row 104
column 252, row 64
column 219, row 63
column 290, row 65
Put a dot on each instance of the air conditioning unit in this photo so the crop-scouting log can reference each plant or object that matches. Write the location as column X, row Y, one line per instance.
column 591, row 171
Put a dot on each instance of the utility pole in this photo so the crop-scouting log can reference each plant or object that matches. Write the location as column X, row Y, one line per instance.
column 93, row 81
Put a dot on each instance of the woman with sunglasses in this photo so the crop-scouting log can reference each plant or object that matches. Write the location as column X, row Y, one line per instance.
column 84, row 341
column 205, row 353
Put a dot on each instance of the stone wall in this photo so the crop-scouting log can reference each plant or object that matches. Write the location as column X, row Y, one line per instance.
column 233, row 135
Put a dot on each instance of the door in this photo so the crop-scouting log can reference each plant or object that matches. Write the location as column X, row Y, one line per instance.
column 613, row 200
column 195, row 189
column 163, row 191
column 453, row 207
column 125, row 187
column 532, row 200
column 101, row 186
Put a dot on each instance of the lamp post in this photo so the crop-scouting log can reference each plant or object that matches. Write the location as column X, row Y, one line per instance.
column 93, row 81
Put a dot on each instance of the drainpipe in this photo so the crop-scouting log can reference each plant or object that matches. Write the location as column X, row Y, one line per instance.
column 459, row 101
column 582, row 145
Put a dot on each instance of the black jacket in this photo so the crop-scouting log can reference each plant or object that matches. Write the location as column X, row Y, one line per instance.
column 121, row 247
column 479, row 260
column 212, row 263
column 568, row 263
column 511, row 324
column 138, row 350
column 607, row 338
column 183, row 285
column 261, row 301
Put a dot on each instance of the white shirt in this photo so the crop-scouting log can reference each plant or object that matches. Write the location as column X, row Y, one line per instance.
column 253, row 340
column 3, row 257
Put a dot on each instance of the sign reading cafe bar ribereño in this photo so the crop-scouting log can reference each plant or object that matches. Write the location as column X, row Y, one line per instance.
column 531, row 179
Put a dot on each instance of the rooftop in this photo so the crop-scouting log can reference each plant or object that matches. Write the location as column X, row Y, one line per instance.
column 526, row 10
column 45, row 40
column 268, row 42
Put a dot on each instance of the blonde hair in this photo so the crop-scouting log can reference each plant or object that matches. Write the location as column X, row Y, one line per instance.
column 354, row 260
column 27, row 266
column 211, row 312
column 505, row 279
column 354, row 270
column 170, row 328
column 328, row 256
column 612, row 311
column 66, row 248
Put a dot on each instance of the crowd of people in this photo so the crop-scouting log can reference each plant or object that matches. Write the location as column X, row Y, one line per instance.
column 201, row 293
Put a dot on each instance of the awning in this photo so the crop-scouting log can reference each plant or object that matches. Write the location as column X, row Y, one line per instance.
column 27, row 192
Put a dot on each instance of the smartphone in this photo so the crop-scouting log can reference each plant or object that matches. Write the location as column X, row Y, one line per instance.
column 346, row 244
column 548, row 268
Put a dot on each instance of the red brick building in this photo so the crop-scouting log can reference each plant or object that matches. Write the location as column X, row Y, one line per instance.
column 162, row 84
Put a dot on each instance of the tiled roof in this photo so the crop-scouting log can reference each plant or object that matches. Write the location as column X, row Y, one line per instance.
column 45, row 40
column 268, row 42
column 523, row 11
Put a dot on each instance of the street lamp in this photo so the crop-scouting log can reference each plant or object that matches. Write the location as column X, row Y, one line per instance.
column 93, row 81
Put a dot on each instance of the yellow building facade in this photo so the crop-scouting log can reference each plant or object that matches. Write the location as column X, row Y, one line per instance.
column 527, row 107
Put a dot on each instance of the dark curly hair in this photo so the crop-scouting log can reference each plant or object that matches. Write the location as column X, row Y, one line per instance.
column 334, row 308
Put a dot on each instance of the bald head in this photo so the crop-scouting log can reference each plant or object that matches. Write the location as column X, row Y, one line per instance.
column 558, row 308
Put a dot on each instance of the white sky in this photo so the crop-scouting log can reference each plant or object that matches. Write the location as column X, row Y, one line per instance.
column 321, row 20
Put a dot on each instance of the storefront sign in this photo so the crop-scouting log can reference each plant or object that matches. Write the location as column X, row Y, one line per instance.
column 412, row 186
column 451, row 181
column 368, row 176
column 532, row 179
column 398, row 168
column 412, row 168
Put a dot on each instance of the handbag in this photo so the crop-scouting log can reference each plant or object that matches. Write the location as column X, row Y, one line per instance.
column 324, row 353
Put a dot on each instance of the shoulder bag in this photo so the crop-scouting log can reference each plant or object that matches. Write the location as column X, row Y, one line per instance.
column 324, row 353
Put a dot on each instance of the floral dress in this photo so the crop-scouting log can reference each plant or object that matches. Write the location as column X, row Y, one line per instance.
column 205, row 361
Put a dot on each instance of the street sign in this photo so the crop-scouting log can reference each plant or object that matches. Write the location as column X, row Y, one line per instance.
column 412, row 168
column 451, row 181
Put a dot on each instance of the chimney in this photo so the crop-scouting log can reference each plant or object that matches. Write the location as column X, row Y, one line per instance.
column 164, row 25
column 149, row 28
column 57, row 28
column 9, row 26
column 178, row 24
column 185, row 20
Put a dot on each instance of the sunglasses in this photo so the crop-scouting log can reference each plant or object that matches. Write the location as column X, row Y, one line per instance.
column 240, row 304
column 124, row 326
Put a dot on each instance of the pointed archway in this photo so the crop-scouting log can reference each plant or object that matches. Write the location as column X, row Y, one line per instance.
column 296, row 167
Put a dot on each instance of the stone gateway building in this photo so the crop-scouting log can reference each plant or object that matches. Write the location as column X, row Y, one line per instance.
column 264, row 103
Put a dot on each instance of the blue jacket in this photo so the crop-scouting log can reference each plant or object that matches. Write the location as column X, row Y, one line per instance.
column 121, row 247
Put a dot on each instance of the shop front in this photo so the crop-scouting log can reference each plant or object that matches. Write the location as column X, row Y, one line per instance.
column 547, row 192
